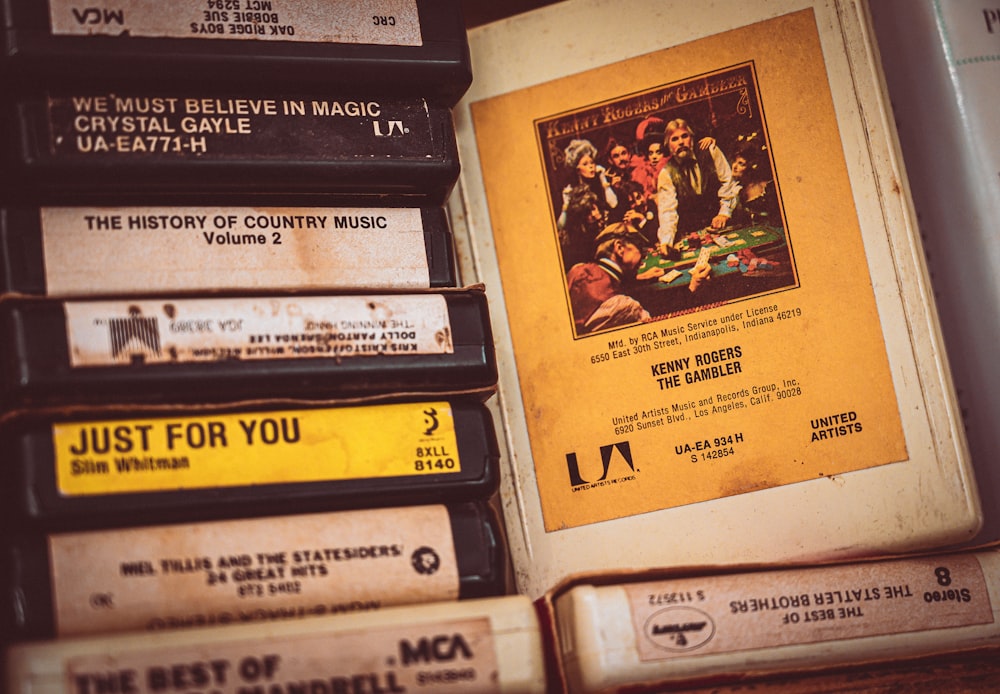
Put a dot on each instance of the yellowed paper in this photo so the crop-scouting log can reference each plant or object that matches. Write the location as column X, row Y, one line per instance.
column 772, row 370
column 257, row 569
column 451, row 655
column 143, row 249
column 726, row 614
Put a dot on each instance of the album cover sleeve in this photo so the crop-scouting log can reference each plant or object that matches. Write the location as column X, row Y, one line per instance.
column 736, row 359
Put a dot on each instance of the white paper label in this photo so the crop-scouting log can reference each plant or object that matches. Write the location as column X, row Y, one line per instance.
column 251, row 570
column 770, row 609
column 128, row 250
column 107, row 333
column 382, row 22
column 446, row 656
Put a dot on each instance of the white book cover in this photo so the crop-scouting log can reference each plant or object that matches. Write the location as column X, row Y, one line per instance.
column 718, row 348
column 942, row 66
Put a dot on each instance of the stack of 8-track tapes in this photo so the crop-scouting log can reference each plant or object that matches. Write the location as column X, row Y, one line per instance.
column 239, row 381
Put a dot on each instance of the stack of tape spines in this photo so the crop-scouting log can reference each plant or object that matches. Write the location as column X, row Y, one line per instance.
column 243, row 392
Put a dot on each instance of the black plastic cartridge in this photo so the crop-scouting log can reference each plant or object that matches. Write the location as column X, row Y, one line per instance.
column 249, row 570
column 75, row 473
column 281, row 146
column 223, row 349
column 408, row 46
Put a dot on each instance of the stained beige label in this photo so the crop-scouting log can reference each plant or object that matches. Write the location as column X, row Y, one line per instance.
column 251, row 570
column 723, row 614
column 127, row 250
column 444, row 656
column 385, row 22
column 108, row 333
column 238, row 450
column 770, row 370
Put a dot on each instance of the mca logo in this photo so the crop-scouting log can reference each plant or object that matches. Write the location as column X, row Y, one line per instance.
column 98, row 15
column 614, row 455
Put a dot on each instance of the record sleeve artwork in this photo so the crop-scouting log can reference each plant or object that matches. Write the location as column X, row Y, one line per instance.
column 655, row 168
column 688, row 294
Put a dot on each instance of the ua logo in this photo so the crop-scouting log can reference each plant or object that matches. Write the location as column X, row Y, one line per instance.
column 607, row 456
column 395, row 126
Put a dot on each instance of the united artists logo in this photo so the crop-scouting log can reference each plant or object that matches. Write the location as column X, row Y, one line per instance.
column 616, row 455
column 394, row 127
